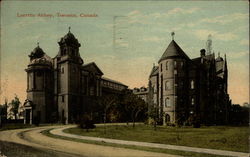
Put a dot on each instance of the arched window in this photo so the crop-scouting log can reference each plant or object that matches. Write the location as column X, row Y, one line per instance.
column 167, row 118
column 167, row 65
column 62, row 70
column 161, row 67
column 167, row 85
column 167, row 102
column 192, row 84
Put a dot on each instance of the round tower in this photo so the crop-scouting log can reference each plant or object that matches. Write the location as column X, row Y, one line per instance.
column 172, row 71
column 39, row 87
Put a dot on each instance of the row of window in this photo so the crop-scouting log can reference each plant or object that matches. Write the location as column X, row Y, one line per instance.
column 175, row 65
column 112, row 85
column 73, row 52
column 168, row 86
column 168, row 103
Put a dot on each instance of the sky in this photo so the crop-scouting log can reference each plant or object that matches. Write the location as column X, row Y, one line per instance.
column 124, row 38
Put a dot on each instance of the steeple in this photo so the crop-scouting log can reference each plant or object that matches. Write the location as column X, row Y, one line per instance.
column 69, row 40
column 69, row 48
column 209, row 44
column 172, row 34
column 173, row 50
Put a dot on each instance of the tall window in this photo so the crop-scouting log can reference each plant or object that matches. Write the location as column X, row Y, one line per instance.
column 34, row 80
column 167, row 85
column 192, row 101
column 182, row 64
column 192, row 84
column 167, row 65
column 175, row 64
column 62, row 70
column 161, row 67
column 167, row 102
column 62, row 98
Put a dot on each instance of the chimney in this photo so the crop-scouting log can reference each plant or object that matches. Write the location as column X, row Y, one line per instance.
column 203, row 52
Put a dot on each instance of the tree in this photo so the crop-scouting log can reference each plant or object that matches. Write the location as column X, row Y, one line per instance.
column 153, row 113
column 134, row 105
column 14, row 104
column 105, row 103
column 3, row 112
column 86, row 122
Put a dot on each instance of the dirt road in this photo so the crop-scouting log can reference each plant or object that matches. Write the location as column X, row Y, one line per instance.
column 32, row 137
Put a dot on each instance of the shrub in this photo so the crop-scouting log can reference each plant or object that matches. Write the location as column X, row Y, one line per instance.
column 86, row 123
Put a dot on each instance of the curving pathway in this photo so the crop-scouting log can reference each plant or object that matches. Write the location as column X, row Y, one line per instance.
column 59, row 131
column 33, row 137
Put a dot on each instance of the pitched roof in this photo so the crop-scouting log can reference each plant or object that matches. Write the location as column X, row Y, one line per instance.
column 114, row 81
column 91, row 67
column 173, row 50
column 154, row 71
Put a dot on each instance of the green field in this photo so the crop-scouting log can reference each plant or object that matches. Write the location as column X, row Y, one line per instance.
column 215, row 137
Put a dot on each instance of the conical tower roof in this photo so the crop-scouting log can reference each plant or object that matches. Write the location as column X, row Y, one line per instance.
column 173, row 51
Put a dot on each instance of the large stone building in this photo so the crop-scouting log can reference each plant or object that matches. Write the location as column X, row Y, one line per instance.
column 63, row 87
column 181, row 88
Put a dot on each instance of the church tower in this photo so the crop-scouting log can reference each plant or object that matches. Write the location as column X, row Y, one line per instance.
column 68, row 67
column 39, row 105
column 172, row 83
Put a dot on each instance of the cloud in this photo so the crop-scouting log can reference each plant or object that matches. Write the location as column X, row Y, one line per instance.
column 244, row 42
column 138, row 17
column 226, row 18
column 203, row 33
column 225, row 36
column 182, row 11
column 236, row 55
column 153, row 39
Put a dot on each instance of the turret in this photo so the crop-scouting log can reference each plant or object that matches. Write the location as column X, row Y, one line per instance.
column 69, row 64
column 172, row 68
column 39, row 86
column 69, row 49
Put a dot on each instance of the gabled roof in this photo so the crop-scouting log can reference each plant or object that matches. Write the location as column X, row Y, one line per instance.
column 173, row 50
column 154, row 71
column 91, row 67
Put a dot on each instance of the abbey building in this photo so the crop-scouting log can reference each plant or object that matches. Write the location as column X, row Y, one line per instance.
column 181, row 88
column 62, row 88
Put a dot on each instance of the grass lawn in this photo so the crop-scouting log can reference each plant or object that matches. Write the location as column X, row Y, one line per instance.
column 15, row 126
column 167, row 151
column 215, row 137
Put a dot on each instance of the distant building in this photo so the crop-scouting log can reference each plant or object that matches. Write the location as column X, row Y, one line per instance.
column 142, row 93
column 62, row 88
column 181, row 88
